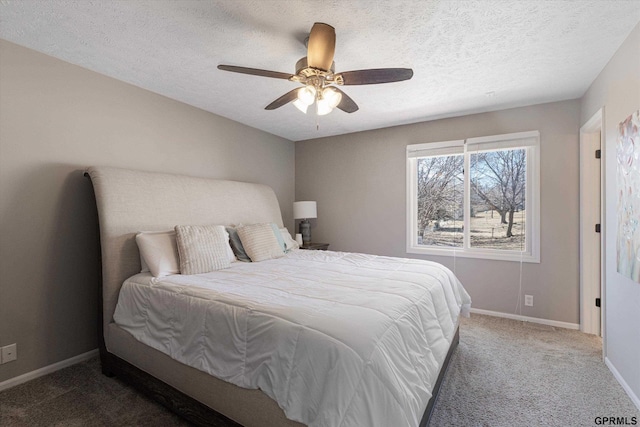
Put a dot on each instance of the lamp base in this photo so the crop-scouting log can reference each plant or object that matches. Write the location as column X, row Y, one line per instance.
column 305, row 230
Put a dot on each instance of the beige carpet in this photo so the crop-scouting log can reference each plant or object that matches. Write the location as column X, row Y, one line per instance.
column 504, row 373
column 509, row 373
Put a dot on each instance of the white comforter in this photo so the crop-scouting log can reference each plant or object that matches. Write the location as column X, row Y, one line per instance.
column 337, row 339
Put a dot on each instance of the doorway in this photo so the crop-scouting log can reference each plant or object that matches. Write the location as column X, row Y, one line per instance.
column 592, row 298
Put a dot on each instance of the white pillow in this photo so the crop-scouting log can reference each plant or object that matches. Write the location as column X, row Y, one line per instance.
column 144, row 268
column 158, row 249
column 260, row 242
column 159, row 252
column 289, row 241
column 202, row 248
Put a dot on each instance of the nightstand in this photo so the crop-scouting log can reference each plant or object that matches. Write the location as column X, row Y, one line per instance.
column 315, row 246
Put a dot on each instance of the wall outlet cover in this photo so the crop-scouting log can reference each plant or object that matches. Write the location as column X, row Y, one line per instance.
column 528, row 300
column 9, row 353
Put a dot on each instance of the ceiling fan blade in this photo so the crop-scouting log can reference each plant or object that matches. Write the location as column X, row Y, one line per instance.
column 255, row 72
column 346, row 103
column 284, row 99
column 321, row 46
column 376, row 76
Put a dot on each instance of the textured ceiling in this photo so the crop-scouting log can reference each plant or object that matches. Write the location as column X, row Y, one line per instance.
column 468, row 56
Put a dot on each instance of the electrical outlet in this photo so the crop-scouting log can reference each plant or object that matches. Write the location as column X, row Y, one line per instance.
column 528, row 300
column 9, row 353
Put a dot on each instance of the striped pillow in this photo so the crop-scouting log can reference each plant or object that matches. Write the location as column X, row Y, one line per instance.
column 202, row 248
column 260, row 242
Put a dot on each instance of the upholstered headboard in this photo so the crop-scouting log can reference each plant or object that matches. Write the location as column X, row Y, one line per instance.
column 130, row 201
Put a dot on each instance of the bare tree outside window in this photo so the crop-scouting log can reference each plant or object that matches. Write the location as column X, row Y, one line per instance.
column 498, row 190
column 440, row 196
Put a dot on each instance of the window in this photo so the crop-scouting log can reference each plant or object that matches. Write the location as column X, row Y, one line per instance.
column 475, row 198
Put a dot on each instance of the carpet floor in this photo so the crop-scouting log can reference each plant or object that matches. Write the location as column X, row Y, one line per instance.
column 504, row 373
column 508, row 373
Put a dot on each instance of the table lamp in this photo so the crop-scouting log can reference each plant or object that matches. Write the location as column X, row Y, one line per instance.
column 304, row 211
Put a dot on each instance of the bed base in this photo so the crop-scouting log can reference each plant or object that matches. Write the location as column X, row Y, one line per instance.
column 426, row 417
column 174, row 400
column 202, row 415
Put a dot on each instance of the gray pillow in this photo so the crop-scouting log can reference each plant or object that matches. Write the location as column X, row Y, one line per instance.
column 236, row 245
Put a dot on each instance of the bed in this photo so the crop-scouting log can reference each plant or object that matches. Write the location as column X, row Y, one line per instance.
column 312, row 338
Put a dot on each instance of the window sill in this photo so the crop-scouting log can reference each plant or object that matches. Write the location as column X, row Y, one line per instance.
column 478, row 254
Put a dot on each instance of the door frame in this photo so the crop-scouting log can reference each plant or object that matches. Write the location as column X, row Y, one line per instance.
column 588, row 288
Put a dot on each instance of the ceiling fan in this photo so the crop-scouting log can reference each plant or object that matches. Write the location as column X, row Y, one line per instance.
column 317, row 73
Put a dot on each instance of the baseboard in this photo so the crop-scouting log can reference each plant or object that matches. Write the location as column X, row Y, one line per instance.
column 623, row 383
column 12, row 382
column 547, row 322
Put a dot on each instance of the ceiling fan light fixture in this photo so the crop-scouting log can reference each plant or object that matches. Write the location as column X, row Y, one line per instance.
column 307, row 95
column 316, row 72
column 332, row 96
column 323, row 107
column 301, row 105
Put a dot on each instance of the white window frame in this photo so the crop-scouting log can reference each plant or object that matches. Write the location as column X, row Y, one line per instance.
column 528, row 140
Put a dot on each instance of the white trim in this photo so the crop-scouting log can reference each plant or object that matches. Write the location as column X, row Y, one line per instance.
column 590, row 197
column 556, row 323
column 433, row 145
column 466, row 196
column 12, row 382
column 594, row 123
column 623, row 383
column 505, row 137
column 411, row 203
column 496, row 254
column 603, row 234
column 533, row 202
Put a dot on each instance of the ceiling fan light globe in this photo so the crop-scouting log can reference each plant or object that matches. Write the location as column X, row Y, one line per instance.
column 332, row 97
column 307, row 95
column 323, row 107
column 300, row 106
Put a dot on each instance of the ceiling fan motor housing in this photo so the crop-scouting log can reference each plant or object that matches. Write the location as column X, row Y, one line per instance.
column 303, row 69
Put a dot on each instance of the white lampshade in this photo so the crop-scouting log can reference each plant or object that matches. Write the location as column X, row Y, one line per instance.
column 307, row 94
column 323, row 107
column 304, row 210
column 332, row 96
column 300, row 105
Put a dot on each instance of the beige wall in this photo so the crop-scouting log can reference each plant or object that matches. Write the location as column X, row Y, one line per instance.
column 617, row 89
column 55, row 120
column 358, row 181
